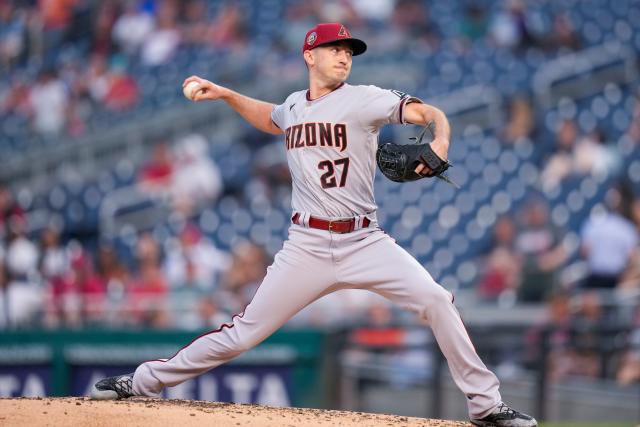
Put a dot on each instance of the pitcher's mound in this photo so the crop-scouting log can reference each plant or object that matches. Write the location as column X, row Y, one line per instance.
column 80, row 411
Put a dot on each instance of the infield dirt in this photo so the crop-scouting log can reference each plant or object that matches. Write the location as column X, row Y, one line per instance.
column 78, row 411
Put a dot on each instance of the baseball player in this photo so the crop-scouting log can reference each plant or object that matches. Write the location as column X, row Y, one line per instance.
column 331, row 137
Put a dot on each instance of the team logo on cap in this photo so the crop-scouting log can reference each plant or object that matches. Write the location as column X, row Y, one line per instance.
column 312, row 38
column 343, row 32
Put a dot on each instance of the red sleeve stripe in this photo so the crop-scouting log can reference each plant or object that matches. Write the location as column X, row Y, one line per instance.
column 404, row 102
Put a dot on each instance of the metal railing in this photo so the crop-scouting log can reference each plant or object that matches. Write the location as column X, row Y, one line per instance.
column 364, row 383
column 584, row 73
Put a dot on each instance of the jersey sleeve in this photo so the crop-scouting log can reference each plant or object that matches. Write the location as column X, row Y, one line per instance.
column 384, row 106
column 277, row 115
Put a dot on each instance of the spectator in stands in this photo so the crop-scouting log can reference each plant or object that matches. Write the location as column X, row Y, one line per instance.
column 54, row 259
column 111, row 271
column 23, row 297
column 411, row 18
column 501, row 266
column 229, row 28
column 95, row 80
column 22, row 302
column 196, row 179
column 512, row 27
column 375, row 13
column 81, row 296
column 10, row 211
column 131, row 28
column 195, row 262
column 156, row 175
column 49, row 100
column 248, row 268
column 77, row 116
column 563, row 34
column 579, row 156
column 572, row 335
column 630, row 279
column 148, row 291
column 92, row 288
column 521, row 120
column 556, row 329
column 561, row 162
column 539, row 245
column 299, row 17
column 210, row 313
column 339, row 11
column 63, row 305
column 609, row 242
column 203, row 313
column 197, row 29
column 587, row 337
column 117, row 279
column 56, row 16
column 161, row 44
column 474, row 24
column 4, row 301
column 80, row 29
column 22, row 254
column 593, row 155
column 12, row 35
column 634, row 124
column 15, row 99
column 122, row 90
column 101, row 39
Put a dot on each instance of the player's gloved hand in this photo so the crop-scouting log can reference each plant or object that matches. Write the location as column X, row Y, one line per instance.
column 410, row 162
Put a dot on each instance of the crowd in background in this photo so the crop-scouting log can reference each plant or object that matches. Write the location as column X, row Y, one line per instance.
column 63, row 60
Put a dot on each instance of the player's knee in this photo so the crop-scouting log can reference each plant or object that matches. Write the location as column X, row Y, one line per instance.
column 439, row 296
column 244, row 343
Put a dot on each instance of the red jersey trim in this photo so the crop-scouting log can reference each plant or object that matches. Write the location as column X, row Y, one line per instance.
column 406, row 101
column 308, row 95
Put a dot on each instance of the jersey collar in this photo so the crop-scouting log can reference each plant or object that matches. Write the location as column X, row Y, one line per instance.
column 309, row 93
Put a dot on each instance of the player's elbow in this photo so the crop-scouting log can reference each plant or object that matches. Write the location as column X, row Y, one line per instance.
column 433, row 114
column 272, row 129
column 275, row 131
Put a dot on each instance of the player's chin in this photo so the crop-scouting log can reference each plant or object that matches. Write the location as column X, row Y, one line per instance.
column 341, row 76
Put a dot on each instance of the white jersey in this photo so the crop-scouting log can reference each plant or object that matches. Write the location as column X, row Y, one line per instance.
column 331, row 143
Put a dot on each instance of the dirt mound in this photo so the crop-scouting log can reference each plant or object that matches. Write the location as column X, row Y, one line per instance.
column 79, row 411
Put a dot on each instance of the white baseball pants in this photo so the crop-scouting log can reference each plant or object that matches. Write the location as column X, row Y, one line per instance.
column 313, row 263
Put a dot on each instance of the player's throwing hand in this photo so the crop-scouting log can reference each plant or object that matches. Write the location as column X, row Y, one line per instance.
column 205, row 89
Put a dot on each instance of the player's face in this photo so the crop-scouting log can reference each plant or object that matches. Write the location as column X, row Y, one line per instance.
column 333, row 61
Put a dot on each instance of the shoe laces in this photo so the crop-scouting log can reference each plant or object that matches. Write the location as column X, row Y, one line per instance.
column 504, row 409
column 123, row 385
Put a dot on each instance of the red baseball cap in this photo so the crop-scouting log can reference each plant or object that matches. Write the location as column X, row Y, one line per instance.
column 331, row 32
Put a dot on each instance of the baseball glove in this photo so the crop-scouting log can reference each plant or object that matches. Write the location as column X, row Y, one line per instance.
column 398, row 162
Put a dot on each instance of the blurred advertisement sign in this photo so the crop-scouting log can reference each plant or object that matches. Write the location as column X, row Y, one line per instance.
column 266, row 385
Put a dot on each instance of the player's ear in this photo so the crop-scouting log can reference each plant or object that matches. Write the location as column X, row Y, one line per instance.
column 309, row 58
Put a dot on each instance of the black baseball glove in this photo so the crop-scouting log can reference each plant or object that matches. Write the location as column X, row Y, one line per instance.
column 398, row 162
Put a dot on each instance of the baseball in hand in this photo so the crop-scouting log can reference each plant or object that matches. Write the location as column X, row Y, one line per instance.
column 191, row 89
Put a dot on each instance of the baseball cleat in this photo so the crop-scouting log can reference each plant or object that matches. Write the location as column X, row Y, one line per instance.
column 503, row 416
column 111, row 388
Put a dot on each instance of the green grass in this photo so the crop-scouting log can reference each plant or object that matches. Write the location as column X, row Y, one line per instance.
column 588, row 424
